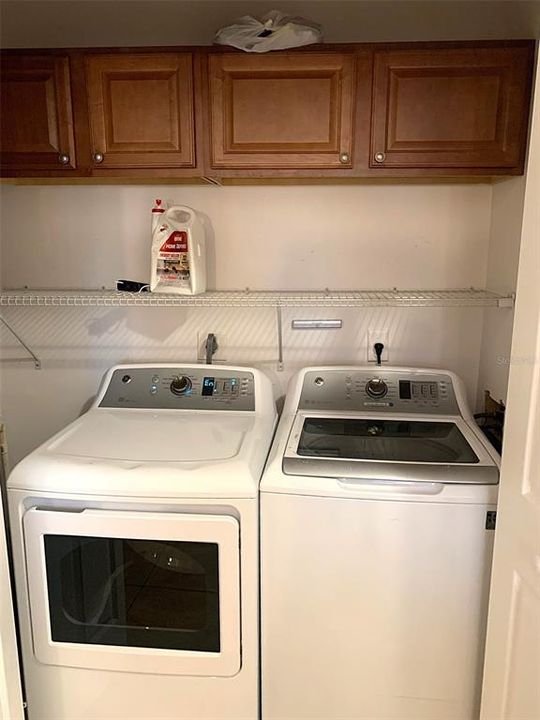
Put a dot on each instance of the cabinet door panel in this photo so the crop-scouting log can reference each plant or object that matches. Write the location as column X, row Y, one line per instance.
column 141, row 110
column 283, row 111
column 450, row 108
column 37, row 122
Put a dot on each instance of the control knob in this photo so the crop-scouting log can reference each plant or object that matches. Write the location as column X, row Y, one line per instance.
column 376, row 388
column 181, row 385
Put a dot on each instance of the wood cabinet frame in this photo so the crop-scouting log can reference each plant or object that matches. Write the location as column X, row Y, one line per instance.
column 360, row 110
column 203, row 170
column 87, row 170
column 171, row 73
column 497, row 76
column 50, row 77
column 336, row 71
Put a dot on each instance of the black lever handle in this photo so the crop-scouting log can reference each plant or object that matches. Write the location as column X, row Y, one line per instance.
column 211, row 347
column 378, row 347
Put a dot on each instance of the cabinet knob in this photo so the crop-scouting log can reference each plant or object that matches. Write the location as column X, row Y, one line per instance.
column 99, row 157
column 380, row 157
column 344, row 157
column 63, row 159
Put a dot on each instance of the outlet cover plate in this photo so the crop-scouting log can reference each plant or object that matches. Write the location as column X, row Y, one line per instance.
column 219, row 355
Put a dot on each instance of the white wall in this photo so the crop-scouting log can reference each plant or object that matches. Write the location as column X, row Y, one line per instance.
column 307, row 237
column 342, row 237
column 101, row 23
column 505, row 235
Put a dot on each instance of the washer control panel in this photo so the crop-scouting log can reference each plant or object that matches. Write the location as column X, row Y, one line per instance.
column 169, row 388
column 385, row 390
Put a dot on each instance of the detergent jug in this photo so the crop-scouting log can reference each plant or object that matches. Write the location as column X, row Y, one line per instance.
column 178, row 253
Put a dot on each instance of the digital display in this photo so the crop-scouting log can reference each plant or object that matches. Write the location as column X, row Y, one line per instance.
column 418, row 391
column 405, row 389
column 208, row 386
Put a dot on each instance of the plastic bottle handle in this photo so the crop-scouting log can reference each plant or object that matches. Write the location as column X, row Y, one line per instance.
column 182, row 208
column 174, row 209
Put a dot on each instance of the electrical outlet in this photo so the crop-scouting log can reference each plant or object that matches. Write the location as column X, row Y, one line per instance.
column 219, row 355
column 375, row 336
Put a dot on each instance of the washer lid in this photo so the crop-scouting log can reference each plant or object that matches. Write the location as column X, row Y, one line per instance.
column 153, row 437
column 364, row 438
column 392, row 448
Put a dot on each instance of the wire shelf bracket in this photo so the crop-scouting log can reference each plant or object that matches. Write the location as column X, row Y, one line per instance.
column 279, row 329
column 37, row 361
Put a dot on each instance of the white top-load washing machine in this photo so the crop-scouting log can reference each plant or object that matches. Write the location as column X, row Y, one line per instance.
column 377, row 514
column 135, row 534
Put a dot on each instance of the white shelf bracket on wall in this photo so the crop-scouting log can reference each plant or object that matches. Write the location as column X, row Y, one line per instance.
column 279, row 327
column 506, row 301
column 37, row 361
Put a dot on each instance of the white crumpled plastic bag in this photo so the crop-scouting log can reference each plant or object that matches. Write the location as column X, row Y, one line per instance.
column 274, row 31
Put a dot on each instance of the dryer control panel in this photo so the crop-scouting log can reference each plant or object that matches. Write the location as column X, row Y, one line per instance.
column 380, row 390
column 187, row 388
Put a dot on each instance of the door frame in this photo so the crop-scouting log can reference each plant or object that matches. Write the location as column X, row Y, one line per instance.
column 11, row 697
column 512, row 659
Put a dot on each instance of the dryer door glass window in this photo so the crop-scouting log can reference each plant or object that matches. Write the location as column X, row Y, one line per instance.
column 133, row 593
column 397, row 440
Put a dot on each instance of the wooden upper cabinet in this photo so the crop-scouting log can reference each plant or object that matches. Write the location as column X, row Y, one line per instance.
column 141, row 109
column 289, row 110
column 37, row 118
column 351, row 111
column 457, row 108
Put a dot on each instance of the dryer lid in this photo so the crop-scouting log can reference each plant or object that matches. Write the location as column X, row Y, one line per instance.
column 153, row 437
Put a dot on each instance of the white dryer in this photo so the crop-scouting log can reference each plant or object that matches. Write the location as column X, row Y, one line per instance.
column 135, row 534
column 377, row 514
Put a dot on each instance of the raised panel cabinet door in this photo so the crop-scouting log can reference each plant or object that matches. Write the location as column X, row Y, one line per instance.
column 141, row 110
column 282, row 111
column 462, row 108
column 37, row 120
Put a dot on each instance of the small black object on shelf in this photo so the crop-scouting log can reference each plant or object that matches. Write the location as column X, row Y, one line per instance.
column 132, row 286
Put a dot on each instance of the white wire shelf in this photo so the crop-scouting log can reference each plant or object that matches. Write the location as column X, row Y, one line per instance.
column 471, row 297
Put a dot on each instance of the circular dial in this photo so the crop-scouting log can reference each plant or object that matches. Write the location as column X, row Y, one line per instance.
column 376, row 388
column 181, row 385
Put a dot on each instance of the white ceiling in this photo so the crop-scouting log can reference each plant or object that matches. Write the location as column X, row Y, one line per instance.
column 89, row 23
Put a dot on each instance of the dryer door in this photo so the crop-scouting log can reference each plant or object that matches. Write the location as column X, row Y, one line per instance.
column 135, row 591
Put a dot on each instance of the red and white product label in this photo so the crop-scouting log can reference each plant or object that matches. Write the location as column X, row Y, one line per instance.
column 176, row 243
column 173, row 259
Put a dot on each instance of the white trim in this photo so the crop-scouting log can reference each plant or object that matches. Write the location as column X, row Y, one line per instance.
column 11, row 702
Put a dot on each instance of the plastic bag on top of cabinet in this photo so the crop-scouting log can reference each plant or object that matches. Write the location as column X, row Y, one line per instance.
column 274, row 31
